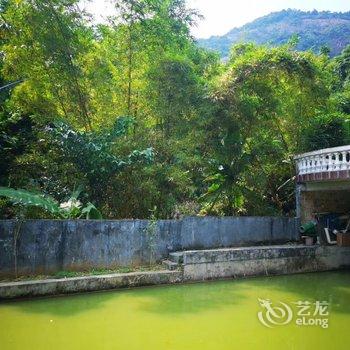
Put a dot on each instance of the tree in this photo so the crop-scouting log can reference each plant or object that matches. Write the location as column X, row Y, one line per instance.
column 45, row 42
column 266, row 99
column 343, row 66
column 176, row 91
column 132, row 13
column 146, row 30
column 93, row 154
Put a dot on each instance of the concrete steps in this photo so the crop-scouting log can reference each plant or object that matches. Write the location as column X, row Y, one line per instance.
column 170, row 265
column 176, row 257
column 174, row 262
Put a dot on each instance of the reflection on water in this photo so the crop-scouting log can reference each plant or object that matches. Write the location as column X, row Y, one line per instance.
column 215, row 315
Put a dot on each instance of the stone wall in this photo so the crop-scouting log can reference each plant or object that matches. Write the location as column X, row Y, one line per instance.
column 48, row 246
column 328, row 201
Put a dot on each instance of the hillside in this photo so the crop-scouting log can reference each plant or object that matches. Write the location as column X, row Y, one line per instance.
column 315, row 29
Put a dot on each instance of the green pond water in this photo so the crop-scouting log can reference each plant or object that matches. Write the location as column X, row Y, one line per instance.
column 216, row 315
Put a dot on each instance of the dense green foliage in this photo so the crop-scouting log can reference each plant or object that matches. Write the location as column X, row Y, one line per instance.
column 71, row 209
column 315, row 30
column 150, row 125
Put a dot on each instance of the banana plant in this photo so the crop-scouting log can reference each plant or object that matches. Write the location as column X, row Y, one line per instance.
column 72, row 209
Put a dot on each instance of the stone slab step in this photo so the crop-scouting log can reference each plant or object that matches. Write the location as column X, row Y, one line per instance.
column 176, row 257
column 170, row 265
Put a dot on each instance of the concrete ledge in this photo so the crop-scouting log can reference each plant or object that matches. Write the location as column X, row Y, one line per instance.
column 247, row 253
column 87, row 283
column 263, row 261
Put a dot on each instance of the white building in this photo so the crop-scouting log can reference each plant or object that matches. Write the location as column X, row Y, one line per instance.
column 323, row 182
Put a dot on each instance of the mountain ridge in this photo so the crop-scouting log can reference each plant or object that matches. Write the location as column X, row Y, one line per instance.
column 314, row 29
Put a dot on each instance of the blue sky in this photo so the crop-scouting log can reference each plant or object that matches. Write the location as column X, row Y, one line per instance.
column 223, row 15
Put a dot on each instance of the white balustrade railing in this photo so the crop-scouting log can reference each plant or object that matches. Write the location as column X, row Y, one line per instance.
column 324, row 160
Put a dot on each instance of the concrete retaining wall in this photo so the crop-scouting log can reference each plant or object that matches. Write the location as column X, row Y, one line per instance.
column 195, row 266
column 48, row 246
